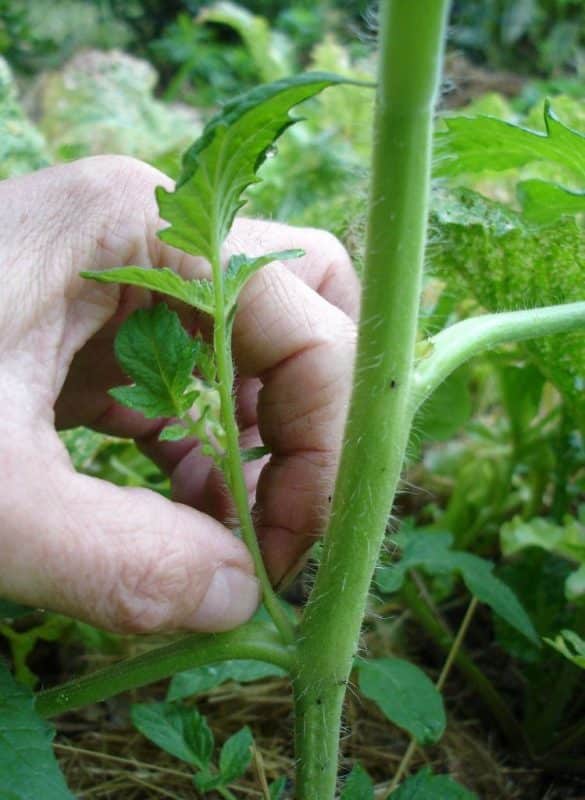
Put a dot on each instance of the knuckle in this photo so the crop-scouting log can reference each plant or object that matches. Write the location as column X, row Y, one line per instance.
column 331, row 247
column 150, row 589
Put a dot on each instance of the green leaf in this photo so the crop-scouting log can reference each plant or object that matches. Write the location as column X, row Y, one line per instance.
column 538, row 579
column 475, row 144
column 358, row 785
column 521, row 389
column 173, row 433
column 571, row 645
column 271, row 51
column 224, row 162
column 426, row 786
column 236, row 755
column 566, row 540
column 234, row 760
column 155, row 351
column 478, row 576
column 10, row 610
column 486, row 251
column 197, row 293
column 276, row 788
column 447, row 410
column 544, row 203
column 254, row 453
column 183, row 732
column 517, row 19
column 28, row 769
column 431, row 552
column 241, row 268
column 575, row 585
column 405, row 695
column 202, row 679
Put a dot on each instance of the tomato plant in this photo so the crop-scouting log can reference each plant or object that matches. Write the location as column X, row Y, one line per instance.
column 192, row 383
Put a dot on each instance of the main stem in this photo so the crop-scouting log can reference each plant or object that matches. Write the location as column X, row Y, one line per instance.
column 234, row 467
column 377, row 429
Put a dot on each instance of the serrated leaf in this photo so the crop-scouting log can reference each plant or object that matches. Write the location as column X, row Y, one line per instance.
column 488, row 252
column 196, row 293
column 544, row 203
column 156, row 352
column 241, row 268
column 224, row 162
column 405, row 695
column 431, row 552
column 571, row 645
column 235, row 755
column 202, row 679
column 183, row 732
column 358, row 785
column 426, row 786
column 28, row 768
column 475, row 144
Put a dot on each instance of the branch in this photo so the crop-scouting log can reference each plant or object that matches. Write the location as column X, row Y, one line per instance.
column 254, row 641
column 455, row 345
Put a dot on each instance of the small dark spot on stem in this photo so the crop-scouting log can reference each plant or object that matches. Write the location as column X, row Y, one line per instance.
column 393, row 383
column 328, row 498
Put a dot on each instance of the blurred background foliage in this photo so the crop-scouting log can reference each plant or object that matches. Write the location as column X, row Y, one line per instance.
column 499, row 448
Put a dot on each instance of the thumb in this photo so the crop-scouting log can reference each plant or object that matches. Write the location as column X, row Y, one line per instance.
column 123, row 559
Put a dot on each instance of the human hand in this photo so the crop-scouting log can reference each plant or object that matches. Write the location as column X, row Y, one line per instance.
column 127, row 559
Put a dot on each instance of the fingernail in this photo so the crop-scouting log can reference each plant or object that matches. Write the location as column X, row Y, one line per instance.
column 231, row 599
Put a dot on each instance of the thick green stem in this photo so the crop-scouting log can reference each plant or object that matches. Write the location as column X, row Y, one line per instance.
column 252, row 641
column 377, row 428
column 234, row 469
column 457, row 344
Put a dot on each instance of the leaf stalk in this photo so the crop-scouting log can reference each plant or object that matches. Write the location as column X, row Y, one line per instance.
column 455, row 345
column 234, row 472
column 255, row 641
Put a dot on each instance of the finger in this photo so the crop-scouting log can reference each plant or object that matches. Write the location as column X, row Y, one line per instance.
column 326, row 266
column 302, row 348
column 197, row 482
column 123, row 559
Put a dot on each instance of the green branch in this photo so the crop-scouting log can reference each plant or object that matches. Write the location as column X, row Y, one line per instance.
column 457, row 344
column 233, row 460
column 252, row 641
